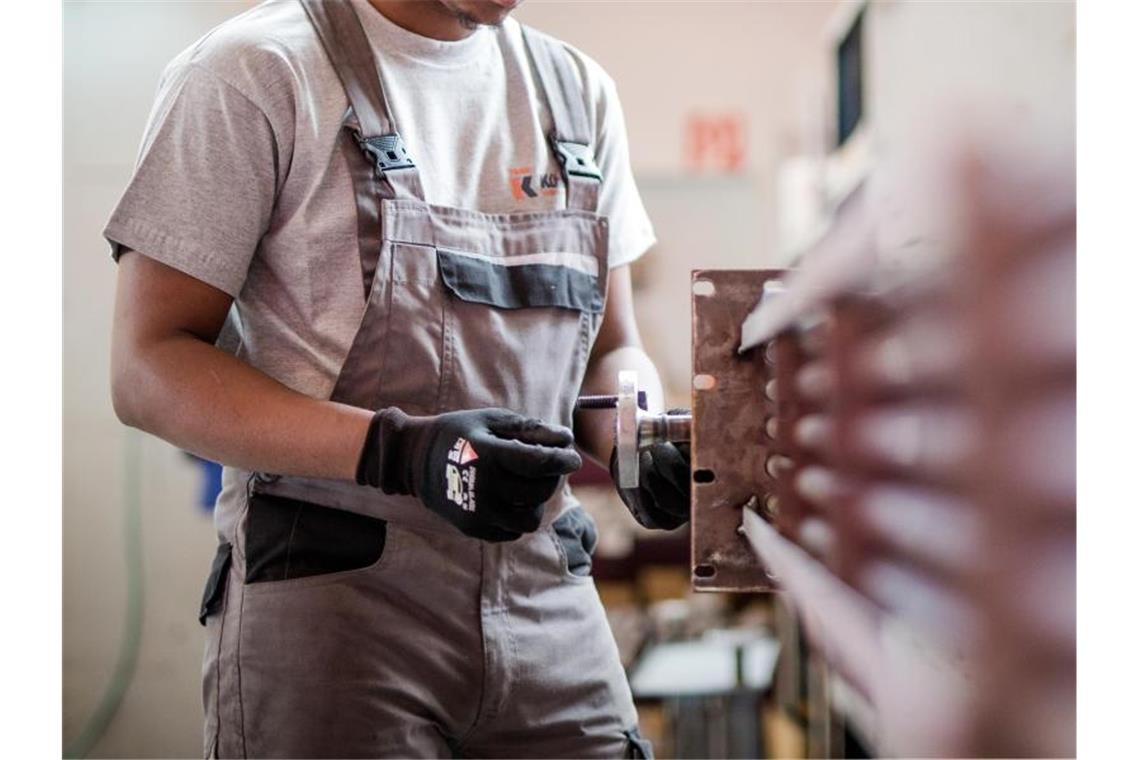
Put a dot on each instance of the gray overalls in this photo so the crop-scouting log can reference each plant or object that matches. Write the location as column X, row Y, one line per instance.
column 343, row 622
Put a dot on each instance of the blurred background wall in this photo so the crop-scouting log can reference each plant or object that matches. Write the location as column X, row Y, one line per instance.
column 113, row 55
column 730, row 111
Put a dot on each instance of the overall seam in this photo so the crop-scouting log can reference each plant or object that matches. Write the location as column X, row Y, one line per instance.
column 387, row 326
column 218, row 666
column 479, row 219
column 237, row 644
column 237, row 668
column 482, row 702
column 511, row 640
column 585, row 328
column 490, row 708
column 447, row 351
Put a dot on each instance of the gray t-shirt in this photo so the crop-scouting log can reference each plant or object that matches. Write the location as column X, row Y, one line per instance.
column 240, row 181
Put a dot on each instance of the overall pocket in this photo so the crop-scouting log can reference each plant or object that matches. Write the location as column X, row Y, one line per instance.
column 412, row 347
column 518, row 329
column 215, row 590
column 287, row 539
column 576, row 536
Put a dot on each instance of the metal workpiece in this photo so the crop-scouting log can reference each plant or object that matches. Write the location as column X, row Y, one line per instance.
column 839, row 621
column 626, row 430
column 843, row 258
column 664, row 428
column 635, row 428
column 730, row 441
column 916, row 688
column 909, row 451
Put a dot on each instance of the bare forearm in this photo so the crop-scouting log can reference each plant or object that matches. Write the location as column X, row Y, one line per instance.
column 594, row 430
column 208, row 402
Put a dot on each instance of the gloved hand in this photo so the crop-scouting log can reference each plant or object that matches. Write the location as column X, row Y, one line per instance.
column 661, row 499
column 486, row 471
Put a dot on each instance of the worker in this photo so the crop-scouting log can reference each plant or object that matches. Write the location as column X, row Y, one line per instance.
column 371, row 252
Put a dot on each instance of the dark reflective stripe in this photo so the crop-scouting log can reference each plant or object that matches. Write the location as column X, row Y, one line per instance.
column 521, row 286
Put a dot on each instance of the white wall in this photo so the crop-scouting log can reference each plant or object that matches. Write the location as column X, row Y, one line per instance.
column 945, row 73
column 933, row 63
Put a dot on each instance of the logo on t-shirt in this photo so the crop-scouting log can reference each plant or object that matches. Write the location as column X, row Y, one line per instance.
column 526, row 184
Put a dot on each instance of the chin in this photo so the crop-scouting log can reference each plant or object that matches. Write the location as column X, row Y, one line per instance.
column 484, row 12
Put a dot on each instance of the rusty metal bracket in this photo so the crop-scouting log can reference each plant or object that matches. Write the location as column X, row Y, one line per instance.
column 730, row 444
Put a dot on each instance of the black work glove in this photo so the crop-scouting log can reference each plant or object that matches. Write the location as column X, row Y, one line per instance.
column 486, row 471
column 661, row 499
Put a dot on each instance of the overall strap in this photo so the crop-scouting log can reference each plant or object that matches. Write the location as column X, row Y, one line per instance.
column 572, row 136
column 347, row 47
column 381, row 168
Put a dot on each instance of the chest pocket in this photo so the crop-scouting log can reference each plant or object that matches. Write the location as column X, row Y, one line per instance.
column 517, row 330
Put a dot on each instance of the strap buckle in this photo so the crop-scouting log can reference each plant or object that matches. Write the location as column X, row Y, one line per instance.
column 577, row 159
column 387, row 152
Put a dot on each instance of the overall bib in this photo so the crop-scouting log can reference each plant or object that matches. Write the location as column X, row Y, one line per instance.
column 344, row 622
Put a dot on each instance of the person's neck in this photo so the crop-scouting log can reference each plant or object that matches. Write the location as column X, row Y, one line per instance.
column 426, row 18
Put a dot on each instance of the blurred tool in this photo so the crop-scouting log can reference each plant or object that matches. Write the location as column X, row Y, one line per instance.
column 634, row 427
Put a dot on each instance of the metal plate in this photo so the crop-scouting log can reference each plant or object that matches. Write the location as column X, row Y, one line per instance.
column 729, row 445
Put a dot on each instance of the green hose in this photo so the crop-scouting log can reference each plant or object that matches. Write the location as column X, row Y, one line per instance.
column 112, row 698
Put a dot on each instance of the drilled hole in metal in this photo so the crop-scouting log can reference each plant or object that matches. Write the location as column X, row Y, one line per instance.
column 704, row 476
column 704, row 288
column 704, row 571
column 704, row 382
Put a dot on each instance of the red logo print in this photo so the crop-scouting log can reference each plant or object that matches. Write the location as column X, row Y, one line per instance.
column 526, row 184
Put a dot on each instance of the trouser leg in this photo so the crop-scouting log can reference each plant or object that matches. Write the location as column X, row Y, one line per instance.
column 362, row 663
column 561, row 690
column 444, row 645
